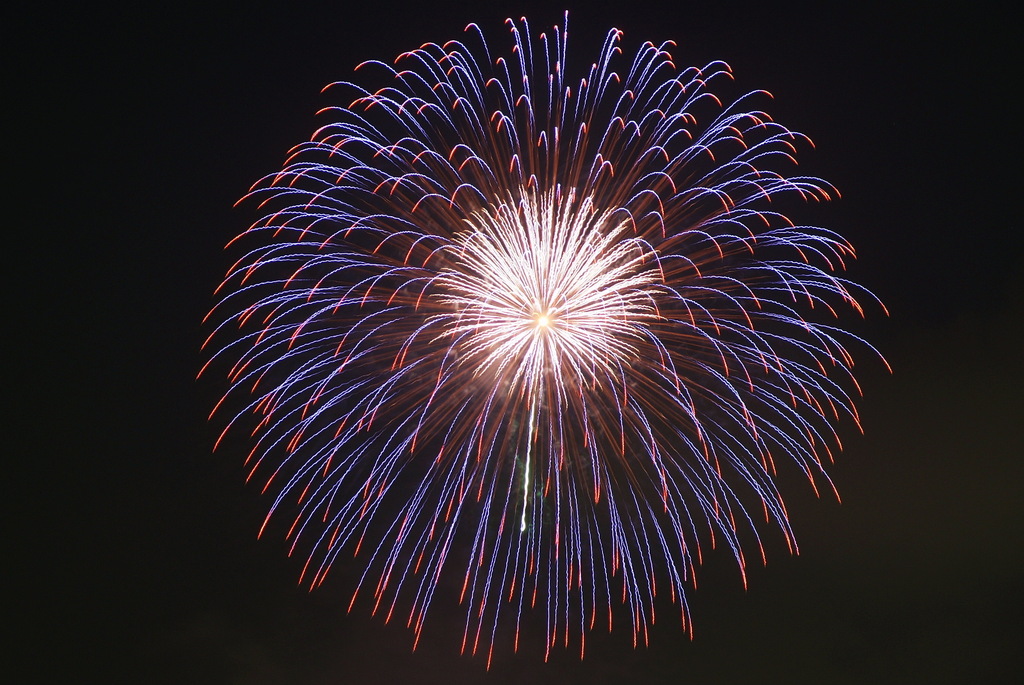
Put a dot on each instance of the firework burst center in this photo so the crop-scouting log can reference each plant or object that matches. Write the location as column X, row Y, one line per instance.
column 548, row 283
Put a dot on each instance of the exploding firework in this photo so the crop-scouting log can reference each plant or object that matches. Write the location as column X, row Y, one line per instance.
column 545, row 340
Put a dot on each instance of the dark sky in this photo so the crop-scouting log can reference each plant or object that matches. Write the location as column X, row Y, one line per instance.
column 137, row 560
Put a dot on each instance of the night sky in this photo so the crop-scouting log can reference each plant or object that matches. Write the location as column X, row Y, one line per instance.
column 137, row 559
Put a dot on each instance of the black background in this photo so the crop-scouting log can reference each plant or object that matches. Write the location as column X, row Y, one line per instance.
column 133, row 547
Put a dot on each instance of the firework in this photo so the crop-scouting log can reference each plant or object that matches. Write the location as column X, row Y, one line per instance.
column 544, row 340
